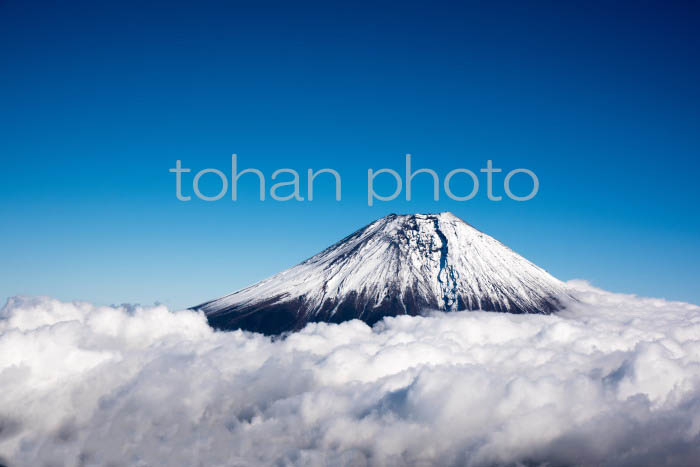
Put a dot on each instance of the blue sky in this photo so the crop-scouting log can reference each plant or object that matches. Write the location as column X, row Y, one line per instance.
column 99, row 100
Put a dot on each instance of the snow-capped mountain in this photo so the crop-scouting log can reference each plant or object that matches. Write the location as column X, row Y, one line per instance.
column 399, row 264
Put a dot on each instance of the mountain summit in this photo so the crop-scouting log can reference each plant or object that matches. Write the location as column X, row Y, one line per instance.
column 399, row 264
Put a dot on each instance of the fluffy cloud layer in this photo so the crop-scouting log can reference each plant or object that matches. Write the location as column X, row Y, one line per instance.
column 613, row 380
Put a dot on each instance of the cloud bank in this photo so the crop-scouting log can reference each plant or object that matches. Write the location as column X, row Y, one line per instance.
column 613, row 380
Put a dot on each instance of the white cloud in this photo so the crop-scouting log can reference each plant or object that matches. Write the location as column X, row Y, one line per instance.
column 613, row 380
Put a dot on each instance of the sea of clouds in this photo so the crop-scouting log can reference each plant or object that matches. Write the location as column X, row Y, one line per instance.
column 613, row 380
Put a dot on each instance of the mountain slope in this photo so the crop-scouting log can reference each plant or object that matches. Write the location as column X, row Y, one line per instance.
column 395, row 265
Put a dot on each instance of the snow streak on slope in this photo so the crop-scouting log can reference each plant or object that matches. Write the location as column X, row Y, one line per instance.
column 396, row 265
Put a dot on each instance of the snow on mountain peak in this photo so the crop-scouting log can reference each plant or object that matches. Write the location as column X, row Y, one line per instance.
column 399, row 264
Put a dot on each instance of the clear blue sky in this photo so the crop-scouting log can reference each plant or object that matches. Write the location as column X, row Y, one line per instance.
column 98, row 100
